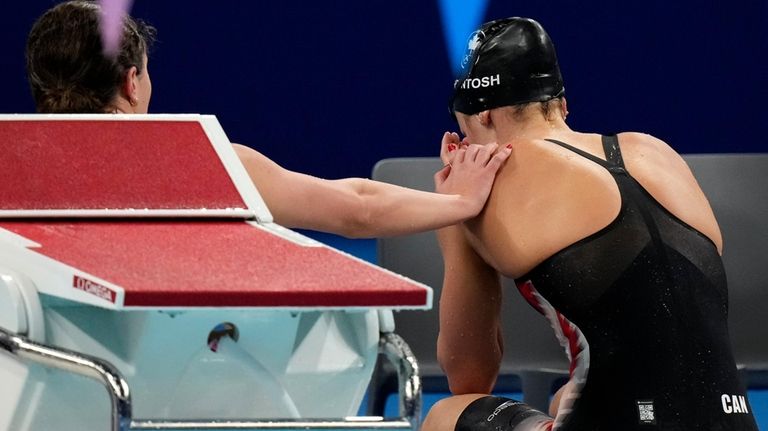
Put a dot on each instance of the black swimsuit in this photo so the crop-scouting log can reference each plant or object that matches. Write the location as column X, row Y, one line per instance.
column 641, row 307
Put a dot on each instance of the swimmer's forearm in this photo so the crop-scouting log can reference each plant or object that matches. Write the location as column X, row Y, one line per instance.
column 389, row 210
column 362, row 208
column 464, row 185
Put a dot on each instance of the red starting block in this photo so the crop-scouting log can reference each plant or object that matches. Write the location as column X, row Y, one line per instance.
column 149, row 225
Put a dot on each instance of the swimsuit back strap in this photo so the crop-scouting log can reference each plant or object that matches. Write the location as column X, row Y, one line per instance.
column 582, row 153
column 612, row 150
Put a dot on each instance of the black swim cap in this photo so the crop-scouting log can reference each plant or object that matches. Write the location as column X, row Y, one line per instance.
column 509, row 61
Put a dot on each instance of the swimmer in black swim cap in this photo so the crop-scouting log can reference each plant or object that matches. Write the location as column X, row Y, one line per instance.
column 509, row 61
column 609, row 237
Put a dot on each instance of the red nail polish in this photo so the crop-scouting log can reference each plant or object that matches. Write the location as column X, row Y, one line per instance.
column 509, row 146
column 451, row 147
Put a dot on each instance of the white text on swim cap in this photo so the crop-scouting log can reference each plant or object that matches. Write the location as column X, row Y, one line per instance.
column 475, row 83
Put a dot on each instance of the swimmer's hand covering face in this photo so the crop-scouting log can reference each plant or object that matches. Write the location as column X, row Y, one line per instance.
column 113, row 13
column 469, row 171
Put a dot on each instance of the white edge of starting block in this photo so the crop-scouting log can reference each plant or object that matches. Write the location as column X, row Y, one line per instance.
column 287, row 234
column 221, row 145
column 55, row 278
column 235, row 168
column 237, row 213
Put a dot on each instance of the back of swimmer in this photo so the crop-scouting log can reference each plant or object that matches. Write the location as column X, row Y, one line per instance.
column 609, row 237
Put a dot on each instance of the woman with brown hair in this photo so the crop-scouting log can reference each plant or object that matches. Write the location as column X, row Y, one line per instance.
column 69, row 73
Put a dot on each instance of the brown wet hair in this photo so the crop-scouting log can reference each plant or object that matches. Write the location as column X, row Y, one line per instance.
column 66, row 67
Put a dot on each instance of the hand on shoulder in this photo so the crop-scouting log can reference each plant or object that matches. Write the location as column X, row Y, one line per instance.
column 469, row 170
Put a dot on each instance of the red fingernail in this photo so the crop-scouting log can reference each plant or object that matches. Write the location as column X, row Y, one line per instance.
column 509, row 146
column 451, row 147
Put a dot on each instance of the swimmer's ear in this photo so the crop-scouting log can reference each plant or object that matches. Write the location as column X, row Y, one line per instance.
column 484, row 117
column 564, row 107
column 129, row 87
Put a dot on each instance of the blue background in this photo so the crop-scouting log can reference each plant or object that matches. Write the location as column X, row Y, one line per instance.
column 329, row 88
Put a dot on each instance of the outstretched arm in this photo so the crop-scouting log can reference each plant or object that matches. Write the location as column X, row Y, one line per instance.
column 356, row 207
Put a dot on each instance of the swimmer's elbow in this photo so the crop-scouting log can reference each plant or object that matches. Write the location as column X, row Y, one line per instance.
column 357, row 226
column 358, row 219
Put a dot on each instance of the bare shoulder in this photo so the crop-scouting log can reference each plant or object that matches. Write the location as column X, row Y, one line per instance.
column 667, row 177
column 646, row 152
column 644, row 145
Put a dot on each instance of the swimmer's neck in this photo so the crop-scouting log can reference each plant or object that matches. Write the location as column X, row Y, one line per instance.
column 511, row 129
column 121, row 105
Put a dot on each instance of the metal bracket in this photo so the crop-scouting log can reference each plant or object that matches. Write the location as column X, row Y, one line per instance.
column 390, row 345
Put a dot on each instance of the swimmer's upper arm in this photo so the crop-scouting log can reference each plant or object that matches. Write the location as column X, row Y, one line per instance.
column 668, row 178
column 302, row 201
column 469, row 346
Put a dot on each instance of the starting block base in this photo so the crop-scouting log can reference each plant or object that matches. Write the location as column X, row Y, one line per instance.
column 141, row 258
column 283, row 365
